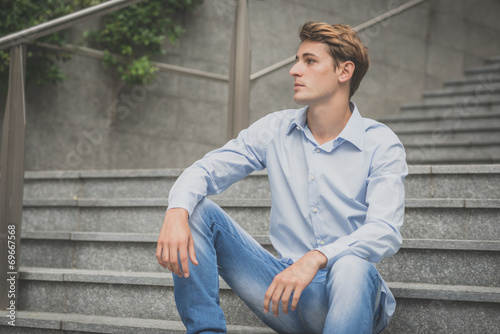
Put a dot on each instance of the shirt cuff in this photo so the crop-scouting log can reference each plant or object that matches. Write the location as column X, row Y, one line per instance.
column 185, row 201
column 333, row 252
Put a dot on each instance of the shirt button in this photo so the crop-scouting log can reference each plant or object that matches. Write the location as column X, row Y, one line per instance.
column 318, row 150
column 315, row 210
column 322, row 242
column 298, row 127
column 312, row 177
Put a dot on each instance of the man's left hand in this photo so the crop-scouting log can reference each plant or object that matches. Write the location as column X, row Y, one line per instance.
column 293, row 279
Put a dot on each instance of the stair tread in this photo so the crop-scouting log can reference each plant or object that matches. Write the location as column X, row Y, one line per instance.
column 401, row 289
column 449, row 244
column 437, row 117
column 444, row 104
column 176, row 172
column 491, row 88
column 108, row 324
column 251, row 202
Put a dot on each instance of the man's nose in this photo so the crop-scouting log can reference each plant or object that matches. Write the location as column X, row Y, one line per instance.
column 295, row 70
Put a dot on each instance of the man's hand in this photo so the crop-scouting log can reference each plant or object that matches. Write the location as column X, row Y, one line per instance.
column 293, row 279
column 176, row 242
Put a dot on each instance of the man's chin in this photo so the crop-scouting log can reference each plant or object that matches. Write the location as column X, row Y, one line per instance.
column 300, row 101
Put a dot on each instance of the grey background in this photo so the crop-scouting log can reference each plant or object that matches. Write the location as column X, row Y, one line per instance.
column 90, row 121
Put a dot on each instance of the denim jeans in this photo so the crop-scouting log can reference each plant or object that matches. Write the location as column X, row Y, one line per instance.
column 343, row 299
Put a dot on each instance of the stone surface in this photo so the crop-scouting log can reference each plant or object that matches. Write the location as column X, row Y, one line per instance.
column 444, row 317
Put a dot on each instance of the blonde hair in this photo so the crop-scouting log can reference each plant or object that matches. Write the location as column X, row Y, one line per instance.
column 343, row 43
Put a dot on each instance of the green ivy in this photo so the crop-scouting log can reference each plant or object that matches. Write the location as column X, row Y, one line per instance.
column 135, row 33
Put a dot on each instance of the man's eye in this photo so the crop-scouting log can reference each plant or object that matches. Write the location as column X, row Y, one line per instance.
column 309, row 61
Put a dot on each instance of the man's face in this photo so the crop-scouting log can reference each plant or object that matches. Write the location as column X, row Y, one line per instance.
column 315, row 79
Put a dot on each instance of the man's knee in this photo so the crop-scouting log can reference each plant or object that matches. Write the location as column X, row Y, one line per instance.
column 204, row 210
column 353, row 270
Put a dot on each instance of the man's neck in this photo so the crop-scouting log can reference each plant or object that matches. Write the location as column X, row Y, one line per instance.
column 327, row 121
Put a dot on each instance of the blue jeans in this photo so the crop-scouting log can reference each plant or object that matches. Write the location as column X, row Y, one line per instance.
column 343, row 299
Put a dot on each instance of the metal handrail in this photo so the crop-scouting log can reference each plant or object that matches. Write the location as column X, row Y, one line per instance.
column 86, row 51
column 61, row 23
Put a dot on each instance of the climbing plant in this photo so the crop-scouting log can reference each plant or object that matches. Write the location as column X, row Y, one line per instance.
column 134, row 33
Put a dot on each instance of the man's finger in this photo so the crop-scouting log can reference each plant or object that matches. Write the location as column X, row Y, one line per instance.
column 268, row 295
column 285, row 298
column 174, row 262
column 296, row 297
column 184, row 260
column 276, row 300
column 192, row 253
column 159, row 254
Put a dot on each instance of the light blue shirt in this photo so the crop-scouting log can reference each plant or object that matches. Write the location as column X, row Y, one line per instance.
column 344, row 197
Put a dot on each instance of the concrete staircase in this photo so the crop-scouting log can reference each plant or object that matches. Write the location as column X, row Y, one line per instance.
column 89, row 237
column 459, row 124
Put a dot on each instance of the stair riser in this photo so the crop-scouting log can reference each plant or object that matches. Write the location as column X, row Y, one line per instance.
column 437, row 136
column 120, row 300
column 454, row 267
column 440, row 317
column 461, row 124
column 434, row 223
column 471, row 101
column 453, row 155
column 487, row 92
column 482, row 83
column 250, row 187
column 420, row 316
column 417, row 185
column 76, row 329
column 464, row 108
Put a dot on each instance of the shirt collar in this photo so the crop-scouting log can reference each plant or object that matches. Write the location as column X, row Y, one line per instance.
column 299, row 120
column 353, row 132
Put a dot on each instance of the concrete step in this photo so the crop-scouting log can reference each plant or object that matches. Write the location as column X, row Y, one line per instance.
column 140, row 183
column 489, row 88
column 78, row 186
column 493, row 67
column 444, row 111
column 50, row 323
column 142, row 295
column 457, row 123
column 434, row 136
column 480, row 81
column 464, row 95
column 453, row 153
column 446, row 105
column 445, row 261
column 146, row 216
column 149, row 295
column 424, row 309
column 493, row 60
column 453, row 262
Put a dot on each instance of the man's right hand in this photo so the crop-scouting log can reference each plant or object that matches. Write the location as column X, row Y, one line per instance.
column 176, row 243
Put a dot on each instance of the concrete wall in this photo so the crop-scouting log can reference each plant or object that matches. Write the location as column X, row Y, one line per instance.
column 91, row 121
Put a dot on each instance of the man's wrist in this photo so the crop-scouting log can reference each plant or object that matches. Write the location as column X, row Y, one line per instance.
column 321, row 259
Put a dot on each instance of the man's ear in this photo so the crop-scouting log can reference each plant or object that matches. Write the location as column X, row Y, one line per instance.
column 347, row 70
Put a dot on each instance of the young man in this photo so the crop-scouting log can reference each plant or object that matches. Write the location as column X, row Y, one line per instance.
column 337, row 206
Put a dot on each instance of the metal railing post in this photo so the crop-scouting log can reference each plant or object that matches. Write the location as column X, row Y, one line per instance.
column 12, row 179
column 239, row 73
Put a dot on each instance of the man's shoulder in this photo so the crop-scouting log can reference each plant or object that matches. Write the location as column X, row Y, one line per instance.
column 281, row 118
column 377, row 132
